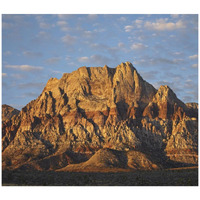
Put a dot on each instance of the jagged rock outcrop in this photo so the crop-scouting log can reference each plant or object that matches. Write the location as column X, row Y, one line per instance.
column 10, row 124
column 192, row 109
column 165, row 105
column 8, row 112
column 94, row 108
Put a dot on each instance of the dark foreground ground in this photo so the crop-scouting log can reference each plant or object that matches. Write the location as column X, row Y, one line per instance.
column 173, row 177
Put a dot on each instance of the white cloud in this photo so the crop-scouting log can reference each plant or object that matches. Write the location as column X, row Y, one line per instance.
column 128, row 28
column 138, row 21
column 180, row 24
column 178, row 53
column 68, row 58
column 44, row 25
column 27, row 68
column 88, row 33
column 63, row 16
column 56, row 72
column 121, row 44
column 42, row 35
column 193, row 57
column 194, row 66
column 178, row 61
column 69, row 40
column 63, row 25
column 95, row 59
column 122, row 19
column 159, row 61
column 175, row 15
column 41, row 21
column 83, row 59
column 138, row 46
column 163, row 25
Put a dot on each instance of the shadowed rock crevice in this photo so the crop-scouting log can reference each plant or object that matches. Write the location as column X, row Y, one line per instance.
column 122, row 108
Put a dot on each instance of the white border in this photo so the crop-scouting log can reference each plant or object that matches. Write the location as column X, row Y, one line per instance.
column 99, row 7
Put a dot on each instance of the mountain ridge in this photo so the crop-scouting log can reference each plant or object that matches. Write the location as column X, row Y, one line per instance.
column 96, row 108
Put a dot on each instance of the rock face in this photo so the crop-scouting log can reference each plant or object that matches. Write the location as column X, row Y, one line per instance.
column 95, row 108
column 9, row 128
column 8, row 112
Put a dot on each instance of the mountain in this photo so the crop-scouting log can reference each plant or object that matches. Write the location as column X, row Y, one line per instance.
column 101, row 109
column 8, row 112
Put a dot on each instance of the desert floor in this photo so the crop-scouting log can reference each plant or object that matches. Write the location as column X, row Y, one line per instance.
column 168, row 177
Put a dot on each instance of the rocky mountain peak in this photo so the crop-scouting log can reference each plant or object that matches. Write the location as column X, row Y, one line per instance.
column 94, row 108
column 8, row 112
column 126, row 67
column 165, row 93
column 165, row 105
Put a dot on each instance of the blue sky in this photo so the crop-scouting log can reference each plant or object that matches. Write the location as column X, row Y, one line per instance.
column 163, row 49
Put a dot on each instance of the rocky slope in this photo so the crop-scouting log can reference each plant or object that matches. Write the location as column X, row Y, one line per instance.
column 95, row 108
column 8, row 112
column 104, row 159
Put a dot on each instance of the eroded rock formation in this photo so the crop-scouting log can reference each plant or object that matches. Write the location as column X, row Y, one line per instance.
column 100, row 107
column 8, row 112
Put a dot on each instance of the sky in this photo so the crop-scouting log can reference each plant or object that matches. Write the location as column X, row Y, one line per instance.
column 163, row 48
